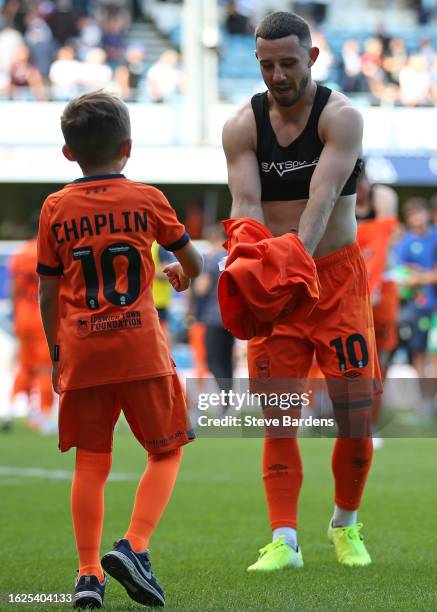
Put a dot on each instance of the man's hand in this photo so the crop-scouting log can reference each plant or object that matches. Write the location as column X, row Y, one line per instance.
column 176, row 276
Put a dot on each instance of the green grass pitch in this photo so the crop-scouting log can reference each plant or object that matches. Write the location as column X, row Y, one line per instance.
column 217, row 520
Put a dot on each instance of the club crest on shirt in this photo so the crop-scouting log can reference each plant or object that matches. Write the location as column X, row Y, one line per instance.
column 82, row 328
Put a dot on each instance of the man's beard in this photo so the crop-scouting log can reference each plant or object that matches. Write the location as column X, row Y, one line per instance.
column 292, row 100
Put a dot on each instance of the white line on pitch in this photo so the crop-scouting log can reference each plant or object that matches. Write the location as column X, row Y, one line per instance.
column 56, row 474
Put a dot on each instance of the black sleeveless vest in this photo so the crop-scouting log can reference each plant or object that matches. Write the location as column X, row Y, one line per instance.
column 286, row 171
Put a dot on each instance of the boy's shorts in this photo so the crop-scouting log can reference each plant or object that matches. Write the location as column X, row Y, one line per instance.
column 155, row 410
column 416, row 326
column 386, row 316
column 339, row 332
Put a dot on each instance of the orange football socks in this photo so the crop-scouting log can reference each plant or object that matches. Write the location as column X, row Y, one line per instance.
column 282, row 475
column 87, row 507
column 153, row 492
column 351, row 460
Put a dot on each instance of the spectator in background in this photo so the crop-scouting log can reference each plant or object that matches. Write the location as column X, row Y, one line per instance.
column 351, row 77
column 426, row 9
column 40, row 41
column 325, row 60
column 131, row 74
column 25, row 80
column 219, row 342
column 417, row 251
column 371, row 65
column 164, row 77
column 14, row 12
column 383, row 37
column 62, row 22
column 239, row 16
column 10, row 42
column 313, row 11
column 65, row 75
column 114, row 38
column 395, row 60
column 426, row 49
column 415, row 82
column 90, row 36
column 95, row 73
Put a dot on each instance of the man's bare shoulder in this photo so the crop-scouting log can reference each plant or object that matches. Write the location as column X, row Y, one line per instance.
column 239, row 131
column 340, row 114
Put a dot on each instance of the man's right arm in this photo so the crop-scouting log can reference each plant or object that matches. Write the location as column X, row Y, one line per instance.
column 239, row 145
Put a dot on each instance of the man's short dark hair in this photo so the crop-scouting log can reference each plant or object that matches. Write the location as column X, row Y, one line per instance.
column 95, row 125
column 282, row 24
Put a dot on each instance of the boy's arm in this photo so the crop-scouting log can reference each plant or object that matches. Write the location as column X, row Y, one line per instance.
column 190, row 259
column 189, row 265
column 48, row 305
column 172, row 236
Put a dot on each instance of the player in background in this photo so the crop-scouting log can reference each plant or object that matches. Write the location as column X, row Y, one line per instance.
column 293, row 157
column 377, row 216
column 417, row 252
column 107, row 347
column 33, row 364
column 161, row 289
column 219, row 341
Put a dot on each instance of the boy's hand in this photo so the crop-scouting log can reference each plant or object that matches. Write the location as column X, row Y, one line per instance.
column 176, row 276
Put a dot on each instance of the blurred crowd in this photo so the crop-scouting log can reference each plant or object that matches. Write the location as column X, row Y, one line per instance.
column 384, row 69
column 55, row 49
column 380, row 67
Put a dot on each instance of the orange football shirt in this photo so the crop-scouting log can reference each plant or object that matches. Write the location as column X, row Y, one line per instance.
column 373, row 238
column 95, row 235
column 22, row 266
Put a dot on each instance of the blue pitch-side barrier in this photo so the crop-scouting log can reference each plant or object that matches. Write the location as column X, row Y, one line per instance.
column 4, row 277
column 402, row 170
column 7, row 248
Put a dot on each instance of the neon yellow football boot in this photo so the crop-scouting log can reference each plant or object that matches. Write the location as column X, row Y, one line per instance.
column 349, row 545
column 277, row 556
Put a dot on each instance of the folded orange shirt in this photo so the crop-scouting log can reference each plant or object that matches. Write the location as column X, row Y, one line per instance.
column 266, row 280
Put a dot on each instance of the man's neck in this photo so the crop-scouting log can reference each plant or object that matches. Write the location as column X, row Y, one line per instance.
column 295, row 111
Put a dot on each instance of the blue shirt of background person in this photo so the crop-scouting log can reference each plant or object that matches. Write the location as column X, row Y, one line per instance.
column 418, row 249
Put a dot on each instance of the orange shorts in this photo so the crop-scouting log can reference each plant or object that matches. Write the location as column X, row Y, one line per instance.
column 155, row 409
column 385, row 317
column 339, row 332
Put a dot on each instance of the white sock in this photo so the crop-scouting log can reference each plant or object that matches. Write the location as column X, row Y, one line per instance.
column 289, row 533
column 344, row 518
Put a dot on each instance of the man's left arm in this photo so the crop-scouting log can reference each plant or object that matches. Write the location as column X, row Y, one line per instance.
column 342, row 148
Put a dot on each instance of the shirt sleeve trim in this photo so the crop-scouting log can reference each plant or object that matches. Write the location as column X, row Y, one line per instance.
column 175, row 246
column 49, row 271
